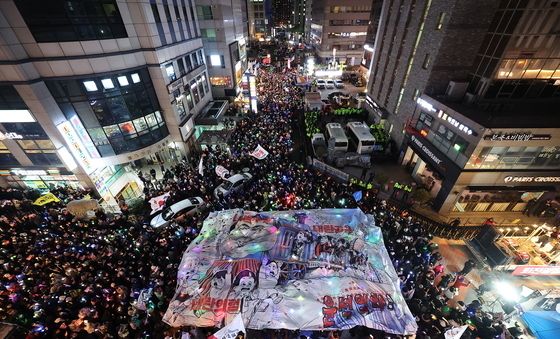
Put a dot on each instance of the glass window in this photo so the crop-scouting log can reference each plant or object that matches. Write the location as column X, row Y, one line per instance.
column 28, row 144
column 45, row 144
column 127, row 128
column 90, row 86
column 112, row 131
column 60, row 20
column 123, row 81
column 118, row 109
column 107, row 83
column 151, row 120
column 204, row 12
column 189, row 62
column 181, row 66
column 158, row 116
column 135, row 78
column 98, row 136
column 170, row 72
column 44, row 158
column 140, row 124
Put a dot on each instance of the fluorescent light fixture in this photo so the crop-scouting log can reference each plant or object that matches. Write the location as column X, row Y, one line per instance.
column 135, row 78
column 123, row 81
column 368, row 48
column 215, row 60
column 67, row 158
column 16, row 115
column 457, row 147
column 90, row 86
column 107, row 83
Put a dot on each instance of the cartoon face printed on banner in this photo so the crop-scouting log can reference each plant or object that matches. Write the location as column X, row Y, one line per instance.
column 269, row 273
column 219, row 285
column 302, row 238
column 245, row 282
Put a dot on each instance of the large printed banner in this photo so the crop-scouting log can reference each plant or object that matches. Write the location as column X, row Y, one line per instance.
column 308, row 269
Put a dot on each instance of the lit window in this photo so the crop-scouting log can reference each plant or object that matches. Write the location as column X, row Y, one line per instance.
column 135, row 78
column 107, row 83
column 215, row 60
column 90, row 86
column 123, row 81
column 170, row 71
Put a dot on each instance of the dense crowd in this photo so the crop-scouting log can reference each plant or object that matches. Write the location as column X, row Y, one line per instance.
column 68, row 278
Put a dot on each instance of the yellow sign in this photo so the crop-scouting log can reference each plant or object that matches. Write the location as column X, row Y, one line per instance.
column 45, row 199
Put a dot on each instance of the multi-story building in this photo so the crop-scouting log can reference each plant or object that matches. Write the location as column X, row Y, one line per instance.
column 258, row 21
column 470, row 89
column 369, row 43
column 282, row 13
column 88, row 87
column 223, row 24
column 299, row 12
column 338, row 29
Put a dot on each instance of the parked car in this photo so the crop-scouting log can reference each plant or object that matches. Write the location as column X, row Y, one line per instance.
column 338, row 83
column 232, row 184
column 184, row 207
column 329, row 84
column 320, row 84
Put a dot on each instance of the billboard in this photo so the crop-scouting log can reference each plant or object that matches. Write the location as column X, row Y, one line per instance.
column 307, row 269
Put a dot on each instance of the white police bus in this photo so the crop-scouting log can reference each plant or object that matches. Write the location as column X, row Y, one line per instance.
column 360, row 137
column 334, row 130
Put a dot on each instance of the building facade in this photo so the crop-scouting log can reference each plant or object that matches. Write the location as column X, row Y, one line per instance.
column 258, row 21
column 468, row 90
column 224, row 35
column 111, row 84
column 475, row 169
column 338, row 30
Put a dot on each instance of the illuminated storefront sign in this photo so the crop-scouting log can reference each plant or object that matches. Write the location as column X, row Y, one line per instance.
column 29, row 172
column 76, row 146
column 16, row 115
column 253, row 92
column 10, row 135
column 444, row 116
column 521, row 136
column 425, row 105
column 537, row 270
column 530, row 179
column 426, row 150
column 84, row 136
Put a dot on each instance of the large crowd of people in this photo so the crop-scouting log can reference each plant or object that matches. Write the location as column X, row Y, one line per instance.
column 68, row 278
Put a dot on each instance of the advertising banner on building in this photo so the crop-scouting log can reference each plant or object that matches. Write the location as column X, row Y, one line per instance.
column 307, row 269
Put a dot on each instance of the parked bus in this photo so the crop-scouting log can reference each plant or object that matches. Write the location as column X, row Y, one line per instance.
column 334, row 130
column 360, row 137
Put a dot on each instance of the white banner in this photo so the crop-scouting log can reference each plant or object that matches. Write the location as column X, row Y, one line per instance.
column 455, row 332
column 201, row 166
column 259, row 153
column 307, row 269
column 157, row 203
column 230, row 330
column 221, row 171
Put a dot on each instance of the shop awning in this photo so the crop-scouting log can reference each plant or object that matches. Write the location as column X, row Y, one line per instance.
column 543, row 324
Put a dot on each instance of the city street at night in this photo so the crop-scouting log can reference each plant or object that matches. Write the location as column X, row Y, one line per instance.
column 298, row 169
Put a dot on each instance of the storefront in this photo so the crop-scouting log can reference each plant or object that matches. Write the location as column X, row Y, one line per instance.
column 40, row 179
column 429, row 168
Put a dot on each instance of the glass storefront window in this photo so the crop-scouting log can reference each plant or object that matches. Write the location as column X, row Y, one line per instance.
column 112, row 131
column 27, row 144
column 140, row 124
column 151, row 120
column 127, row 128
column 516, row 157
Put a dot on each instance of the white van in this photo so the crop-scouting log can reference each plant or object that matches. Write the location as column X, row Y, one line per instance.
column 360, row 137
column 334, row 130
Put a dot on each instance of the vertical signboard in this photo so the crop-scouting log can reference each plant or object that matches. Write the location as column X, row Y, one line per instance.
column 76, row 146
column 84, row 136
